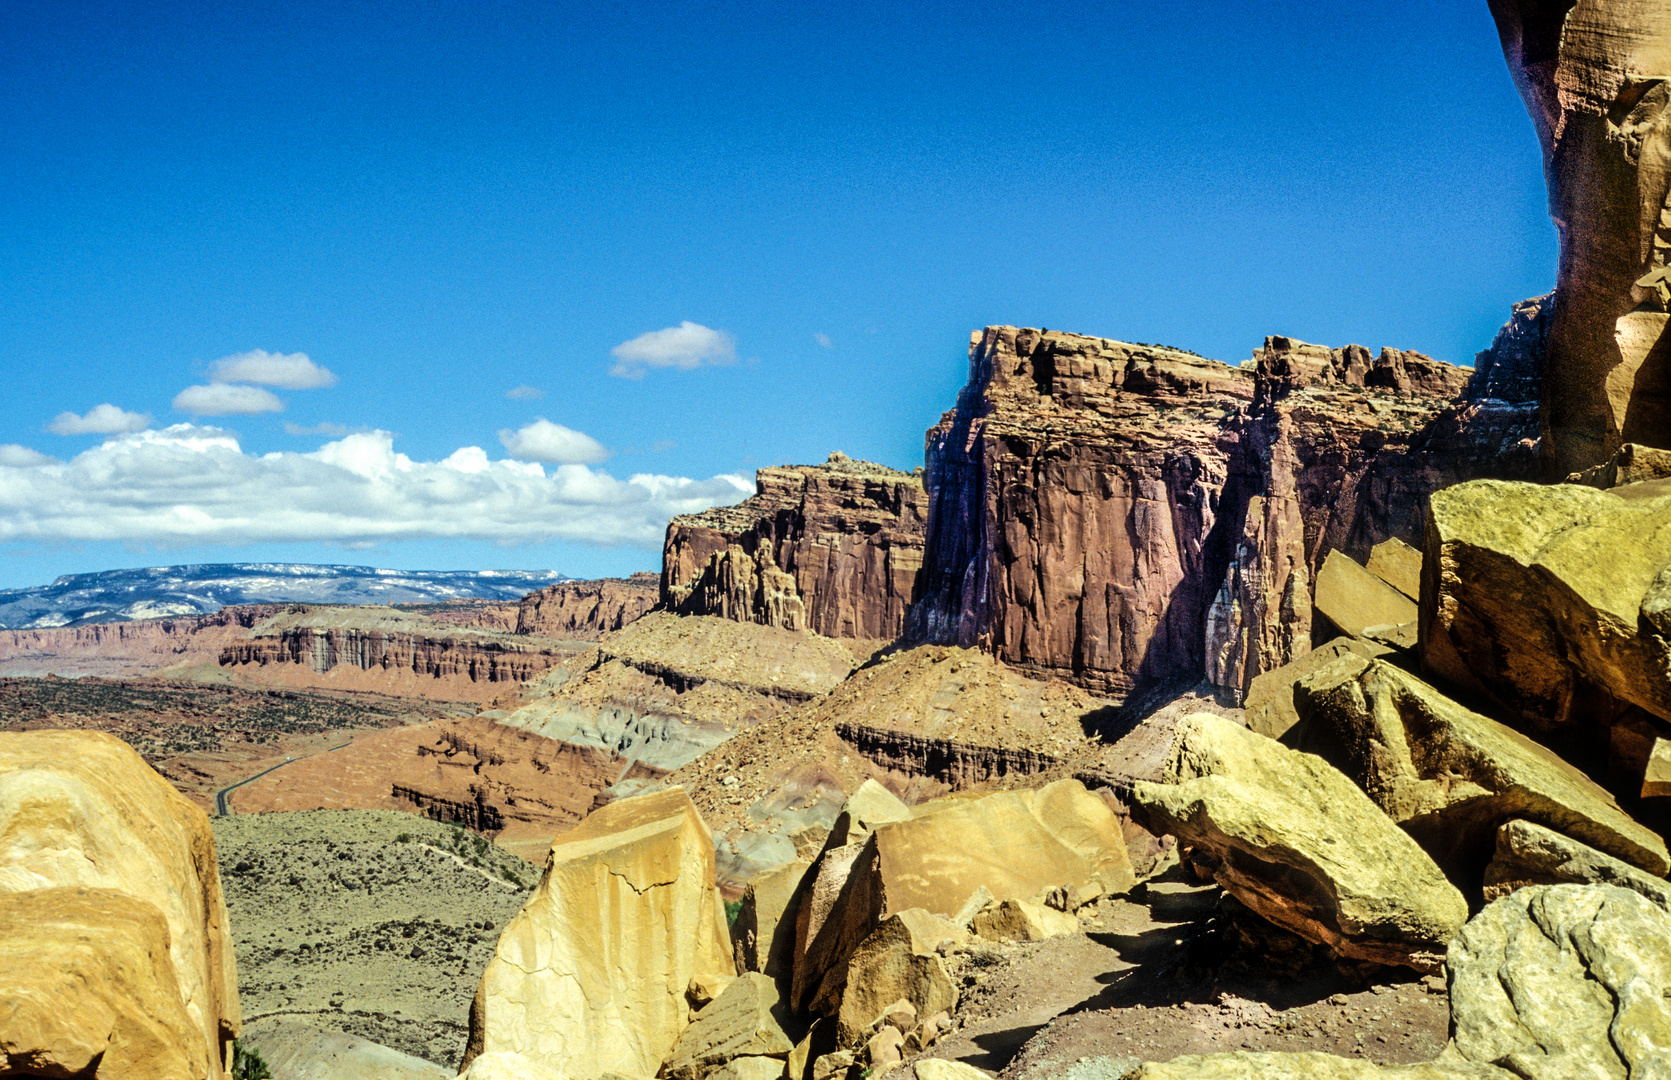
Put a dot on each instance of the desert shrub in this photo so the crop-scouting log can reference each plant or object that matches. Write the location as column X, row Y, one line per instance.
column 249, row 1064
column 732, row 907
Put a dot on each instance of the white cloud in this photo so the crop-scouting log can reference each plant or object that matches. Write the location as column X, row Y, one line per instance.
column 287, row 371
column 553, row 443
column 190, row 484
column 824, row 340
column 100, row 420
column 324, row 427
column 224, row 399
column 524, row 393
column 686, row 346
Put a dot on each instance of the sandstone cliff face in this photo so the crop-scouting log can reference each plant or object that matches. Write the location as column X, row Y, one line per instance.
column 124, row 871
column 1593, row 74
column 460, row 664
column 1126, row 515
column 125, row 649
column 832, row 548
column 586, row 610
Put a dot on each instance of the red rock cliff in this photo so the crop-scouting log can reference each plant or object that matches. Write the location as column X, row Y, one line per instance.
column 832, row 548
column 1128, row 515
column 586, row 610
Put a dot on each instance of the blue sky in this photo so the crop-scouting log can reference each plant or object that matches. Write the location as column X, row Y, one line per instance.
column 411, row 233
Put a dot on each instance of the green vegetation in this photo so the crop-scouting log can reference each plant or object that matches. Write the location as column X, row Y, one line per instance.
column 248, row 1064
column 732, row 907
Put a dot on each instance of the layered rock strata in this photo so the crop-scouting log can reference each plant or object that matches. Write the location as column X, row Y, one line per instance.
column 590, row 976
column 1596, row 78
column 115, row 931
column 586, row 610
column 832, row 548
column 125, row 649
column 1125, row 515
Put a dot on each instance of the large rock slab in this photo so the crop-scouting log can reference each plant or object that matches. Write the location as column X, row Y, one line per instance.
column 1308, row 1065
column 90, row 989
column 1543, row 599
column 1450, row 776
column 898, row 962
column 1012, row 843
column 746, row 1020
column 1564, row 981
column 590, row 975
column 763, row 936
column 299, row 1051
column 1529, row 854
column 1399, row 565
column 83, row 809
column 1353, row 599
column 1301, row 845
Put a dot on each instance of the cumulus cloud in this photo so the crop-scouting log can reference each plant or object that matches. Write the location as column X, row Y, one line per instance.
column 287, row 371
column 824, row 340
column 191, row 484
column 104, row 419
column 686, row 346
column 226, row 399
column 324, row 427
column 553, row 443
column 524, row 393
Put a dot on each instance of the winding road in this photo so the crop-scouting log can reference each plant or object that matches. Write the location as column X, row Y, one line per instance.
column 224, row 810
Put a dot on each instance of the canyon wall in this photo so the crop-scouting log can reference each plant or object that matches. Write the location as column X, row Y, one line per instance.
column 1596, row 78
column 586, row 610
column 1129, row 515
column 125, row 649
column 832, row 548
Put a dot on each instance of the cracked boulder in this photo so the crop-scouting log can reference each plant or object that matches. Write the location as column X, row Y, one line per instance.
column 590, row 976
column 1562, row 981
column 1529, row 854
column 746, row 1020
column 1450, row 776
column 1301, row 845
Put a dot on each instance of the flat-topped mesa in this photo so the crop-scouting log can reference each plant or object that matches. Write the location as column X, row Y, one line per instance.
column 1126, row 515
column 1594, row 77
column 586, row 610
column 832, row 548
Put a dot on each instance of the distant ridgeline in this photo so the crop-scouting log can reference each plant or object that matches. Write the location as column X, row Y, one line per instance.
column 162, row 591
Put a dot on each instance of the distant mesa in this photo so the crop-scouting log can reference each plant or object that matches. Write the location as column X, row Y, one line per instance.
column 168, row 591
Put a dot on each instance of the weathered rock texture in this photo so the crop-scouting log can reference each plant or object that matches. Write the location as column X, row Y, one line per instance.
column 401, row 651
column 1270, row 708
column 1126, row 515
column 124, row 649
column 1529, row 854
column 1275, row 1065
column 1551, row 603
column 745, row 1020
column 1301, row 845
column 590, row 976
column 1593, row 74
column 1563, row 981
column 586, row 610
column 832, row 548
column 1450, row 776
column 88, row 828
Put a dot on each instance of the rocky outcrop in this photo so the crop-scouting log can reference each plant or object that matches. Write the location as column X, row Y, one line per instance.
column 1550, row 603
column 587, row 610
column 1301, row 846
column 590, row 975
column 1125, row 515
column 1593, row 74
column 1450, row 776
column 126, row 649
column 832, row 548
column 456, row 663
column 1560, row 981
column 745, row 1020
column 1529, row 854
column 113, row 930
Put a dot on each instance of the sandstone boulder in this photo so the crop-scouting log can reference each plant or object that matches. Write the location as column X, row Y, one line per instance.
column 1354, row 599
column 1450, row 776
column 1013, row 843
column 90, row 989
column 1399, row 565
column 1632, row 464
column 590, row 976
column 1023, row 920
column 745, row 1020
column 1529, row 854
column 1656, row 776
column 1301, row 845
column 944, row 1069
column 1308, row 1065
column 509, row 1065
column 80, row 809
column 749, row 1068
column 763, row 935
column 1564, row 981
column 1269, row 706
column 870, row 805
column 300, row 1051
column 897, row 962
column 1540, row 598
